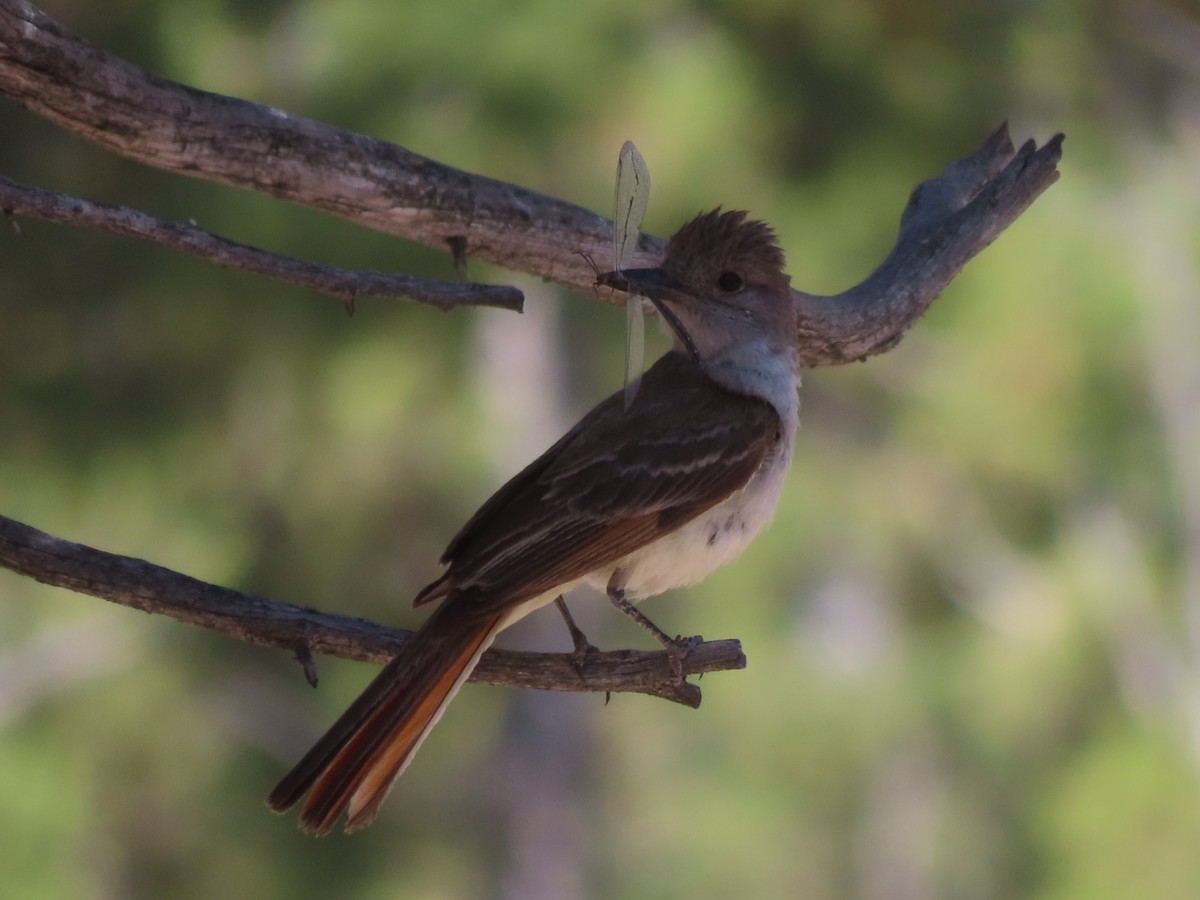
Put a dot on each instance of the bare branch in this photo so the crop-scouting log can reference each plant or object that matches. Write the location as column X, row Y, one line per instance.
column 383, row 186
column 230, row 141
column 947, row 221
column 386, row 187
column 256, row 620
column 342, row 284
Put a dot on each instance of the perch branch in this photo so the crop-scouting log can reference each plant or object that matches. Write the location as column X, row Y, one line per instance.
column 256, row 620
column 96, row 95
column 384, row 186
column 343, row 284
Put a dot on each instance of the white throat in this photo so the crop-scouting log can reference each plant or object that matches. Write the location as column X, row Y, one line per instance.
column 760, row 369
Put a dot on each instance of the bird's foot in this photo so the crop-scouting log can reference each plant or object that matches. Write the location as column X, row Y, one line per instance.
column 677, row 647
column 578, row 639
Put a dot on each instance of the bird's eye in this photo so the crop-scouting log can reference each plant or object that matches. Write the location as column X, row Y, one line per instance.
column 729, row 282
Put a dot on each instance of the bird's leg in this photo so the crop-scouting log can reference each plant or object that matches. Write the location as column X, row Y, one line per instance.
column 582, row 645
column 677, row 647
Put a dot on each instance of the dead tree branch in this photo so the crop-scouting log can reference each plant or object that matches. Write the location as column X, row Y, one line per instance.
column 270, row 623
column 948, row 220
column 383, row 186
column 137, row 114
column 345, row 285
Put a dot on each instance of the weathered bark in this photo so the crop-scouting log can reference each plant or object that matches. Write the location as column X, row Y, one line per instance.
column 257, row 620
column 383, row 186
column 345, row 285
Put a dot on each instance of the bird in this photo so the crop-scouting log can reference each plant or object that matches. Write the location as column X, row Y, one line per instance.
column 632, row 501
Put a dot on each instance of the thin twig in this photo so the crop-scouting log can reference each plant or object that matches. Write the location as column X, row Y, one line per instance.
column 344, row 285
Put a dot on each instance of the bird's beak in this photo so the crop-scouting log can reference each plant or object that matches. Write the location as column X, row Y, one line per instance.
column 653, row 284
column 660, row 289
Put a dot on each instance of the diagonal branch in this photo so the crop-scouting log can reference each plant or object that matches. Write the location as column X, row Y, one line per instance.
column 231, row 141
column 270, row 623
column 343, row 284
column 386, row 187
column 948, row 220
column 96, row 95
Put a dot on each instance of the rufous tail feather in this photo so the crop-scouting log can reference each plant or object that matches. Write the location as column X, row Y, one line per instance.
column 352, row 768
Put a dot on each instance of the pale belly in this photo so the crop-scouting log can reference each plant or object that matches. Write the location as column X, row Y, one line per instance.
column 711, row 540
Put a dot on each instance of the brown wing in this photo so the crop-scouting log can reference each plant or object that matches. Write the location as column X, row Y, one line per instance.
column 599, row 494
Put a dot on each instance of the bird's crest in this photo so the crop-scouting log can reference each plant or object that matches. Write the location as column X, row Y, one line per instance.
column 716, row 242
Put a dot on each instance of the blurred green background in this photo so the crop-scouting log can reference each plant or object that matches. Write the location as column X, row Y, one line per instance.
column 973, row 631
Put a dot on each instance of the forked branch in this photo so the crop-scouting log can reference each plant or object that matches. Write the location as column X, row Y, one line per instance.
column 137, row 114
column 384, row 186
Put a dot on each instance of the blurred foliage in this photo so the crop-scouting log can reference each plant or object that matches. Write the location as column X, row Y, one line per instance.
column 972, row 629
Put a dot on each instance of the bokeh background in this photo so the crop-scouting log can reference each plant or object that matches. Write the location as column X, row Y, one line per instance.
column 973, row 631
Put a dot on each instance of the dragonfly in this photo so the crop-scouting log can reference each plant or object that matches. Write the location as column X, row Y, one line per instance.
column 630, row 200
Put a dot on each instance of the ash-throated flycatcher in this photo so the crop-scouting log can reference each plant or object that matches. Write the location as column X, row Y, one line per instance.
column 632, row 501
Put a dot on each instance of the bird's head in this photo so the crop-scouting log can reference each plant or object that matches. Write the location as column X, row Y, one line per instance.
column 720, row 287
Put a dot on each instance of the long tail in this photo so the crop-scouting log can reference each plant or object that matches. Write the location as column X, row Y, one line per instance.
column 352, row 768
